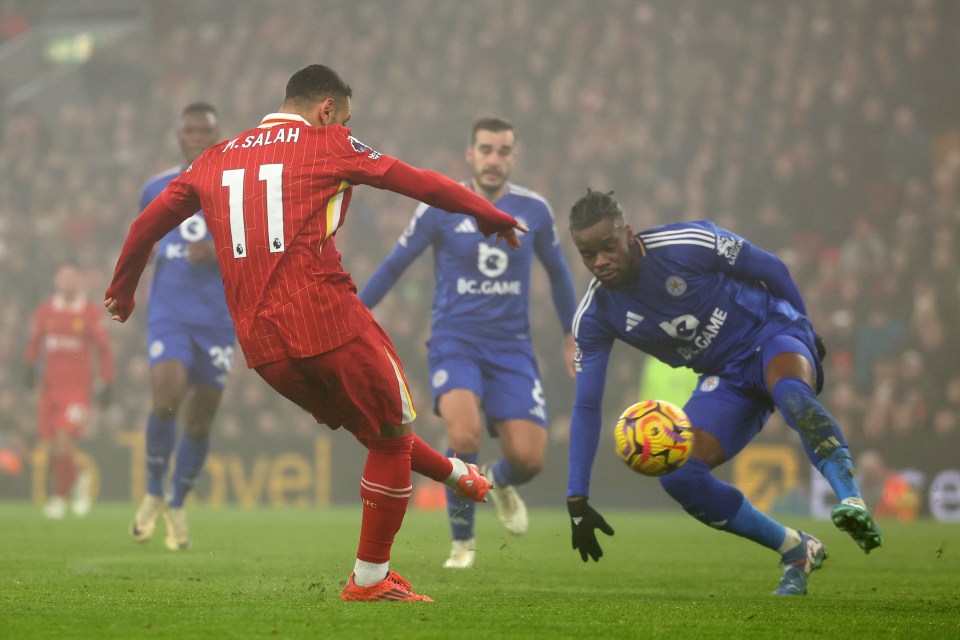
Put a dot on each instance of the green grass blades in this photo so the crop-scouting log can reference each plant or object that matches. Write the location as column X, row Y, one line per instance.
column 277, row 573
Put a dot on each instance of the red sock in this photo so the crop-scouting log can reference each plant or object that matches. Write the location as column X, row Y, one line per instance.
column 429, row 462
column 385, row 491
column 64, row 469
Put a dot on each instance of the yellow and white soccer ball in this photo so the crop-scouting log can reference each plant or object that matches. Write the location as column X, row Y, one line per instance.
column 653, row 437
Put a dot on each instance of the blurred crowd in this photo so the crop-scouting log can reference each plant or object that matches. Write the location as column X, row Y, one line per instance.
column 823, row 131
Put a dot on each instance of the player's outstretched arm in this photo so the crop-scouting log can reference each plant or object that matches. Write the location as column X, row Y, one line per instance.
column 443, row 193
column 149, row 227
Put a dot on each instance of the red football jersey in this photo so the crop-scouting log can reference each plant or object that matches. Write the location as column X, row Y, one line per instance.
column 273, row 197
column 66, row 333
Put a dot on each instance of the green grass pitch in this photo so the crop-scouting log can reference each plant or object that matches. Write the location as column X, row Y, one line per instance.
column 276, row 573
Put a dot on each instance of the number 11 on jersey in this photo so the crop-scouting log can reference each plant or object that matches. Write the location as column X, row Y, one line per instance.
column 272, row 175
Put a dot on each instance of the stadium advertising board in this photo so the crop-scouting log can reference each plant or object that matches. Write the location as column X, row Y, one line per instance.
column 323, row 469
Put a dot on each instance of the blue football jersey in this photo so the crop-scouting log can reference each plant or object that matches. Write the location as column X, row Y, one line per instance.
column 703, row 298
column 692, row 304
column 180, row 290
column 482, row 288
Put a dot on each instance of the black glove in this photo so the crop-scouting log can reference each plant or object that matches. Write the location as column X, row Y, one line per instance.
column 105, row 398
column 29, row 378
column 584, row 520
column 821, row 349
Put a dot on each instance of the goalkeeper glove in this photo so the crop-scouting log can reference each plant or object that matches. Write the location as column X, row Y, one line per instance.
column 584, row 519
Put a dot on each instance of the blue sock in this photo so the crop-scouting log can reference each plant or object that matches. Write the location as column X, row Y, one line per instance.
column 191, row 455
column 160, row 437
column 504, row 474
column 720, row 505
column 754, row 525
column 821, row 436
column 838, row 470
column 818, row 429
column 461, row 510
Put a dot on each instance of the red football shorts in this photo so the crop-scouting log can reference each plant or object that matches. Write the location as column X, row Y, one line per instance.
column 359, row 385
column 66, row 410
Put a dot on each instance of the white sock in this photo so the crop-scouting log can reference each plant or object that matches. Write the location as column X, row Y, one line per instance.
column 459, row 470
column 791, row 540
column 366, row 573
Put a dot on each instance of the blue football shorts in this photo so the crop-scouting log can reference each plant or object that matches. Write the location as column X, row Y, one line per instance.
column 504, row 376
column 206, row 351
column 734, row 405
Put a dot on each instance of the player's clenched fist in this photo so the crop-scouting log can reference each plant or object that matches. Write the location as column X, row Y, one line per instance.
column 117, row 310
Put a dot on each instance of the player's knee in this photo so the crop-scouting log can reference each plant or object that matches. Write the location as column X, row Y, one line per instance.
column 199, row 430
column 463, row 438
column 526, row 465
column 165, row 410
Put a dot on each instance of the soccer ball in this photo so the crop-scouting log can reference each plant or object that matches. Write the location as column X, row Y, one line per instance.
column 653, row 437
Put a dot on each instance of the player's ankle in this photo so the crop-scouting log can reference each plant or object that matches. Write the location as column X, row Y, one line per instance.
column 790, row 540
column 459, row 470
column 367, row 573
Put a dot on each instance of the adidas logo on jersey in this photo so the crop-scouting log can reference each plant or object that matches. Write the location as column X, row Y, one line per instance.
column 633, row 319
column 467, row 226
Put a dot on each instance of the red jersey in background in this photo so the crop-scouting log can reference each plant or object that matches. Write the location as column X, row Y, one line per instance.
column 66, row 334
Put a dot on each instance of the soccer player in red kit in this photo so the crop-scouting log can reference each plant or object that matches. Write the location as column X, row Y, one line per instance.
column 273, row 198
column 65, row 331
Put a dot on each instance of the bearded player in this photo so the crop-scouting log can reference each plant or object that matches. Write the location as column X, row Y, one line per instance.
column 482, row 364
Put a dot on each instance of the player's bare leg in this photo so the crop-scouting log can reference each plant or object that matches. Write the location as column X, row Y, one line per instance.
column 524, row 446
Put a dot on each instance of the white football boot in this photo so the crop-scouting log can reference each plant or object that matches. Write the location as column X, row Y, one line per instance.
column 178, row 536
column 141, row 529
column 55, row 508
column 510, row 507
column 462, row 553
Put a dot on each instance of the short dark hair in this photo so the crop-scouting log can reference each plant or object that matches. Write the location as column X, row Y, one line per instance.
column 592, row 208
column 489, row 124
column 315, row 83
column 199, row 107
